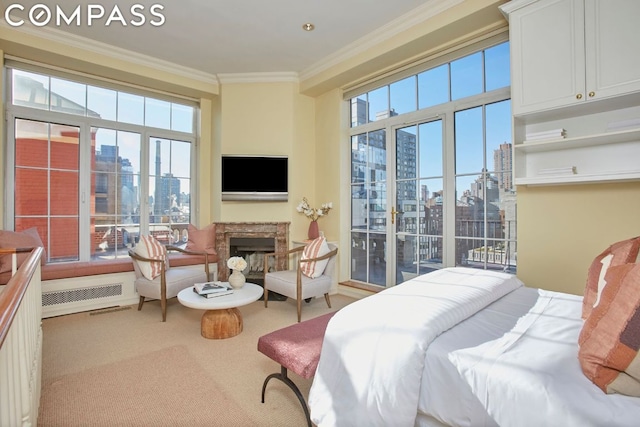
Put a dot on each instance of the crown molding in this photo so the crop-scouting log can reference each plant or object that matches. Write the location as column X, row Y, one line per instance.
column 274, row 77
column 113, row 52
column 422, row 13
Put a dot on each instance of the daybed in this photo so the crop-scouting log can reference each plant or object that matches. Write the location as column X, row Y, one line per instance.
column 461, row 347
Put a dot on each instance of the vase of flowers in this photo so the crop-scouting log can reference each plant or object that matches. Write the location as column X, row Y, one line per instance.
column 314, row 215
column 237, row 265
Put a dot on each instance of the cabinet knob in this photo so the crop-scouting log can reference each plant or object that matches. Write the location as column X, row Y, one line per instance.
column 592, row 94
column 579, row 96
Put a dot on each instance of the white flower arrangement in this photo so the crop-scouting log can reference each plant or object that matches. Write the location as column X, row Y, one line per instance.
column 237, row 263
column 313, row 213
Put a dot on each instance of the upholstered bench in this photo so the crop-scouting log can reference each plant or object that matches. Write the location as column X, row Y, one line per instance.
column 296, row 348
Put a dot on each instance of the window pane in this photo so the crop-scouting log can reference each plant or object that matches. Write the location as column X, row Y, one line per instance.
column 430, row 149
column 101, row 102
column 496, row 64
column 377, row 158
column 130, row 108
column 377, row 259
column 359, row 256
column 31, row 196
column 498, row 125
column 403, row 95
column 64, row 245
column 378, row 207
column 30, row 90
column 406, row 257
column 466, row 76
column 359, row 207
column 65, row 147
column 469, row 141
column 406, row 148
column 433, row 86
column 379, row 104
column 359, row 110
column 64, row 183
column 68, row 97
column 157, row 113
column 182, row 118
column 358, row 157
column 32, row 143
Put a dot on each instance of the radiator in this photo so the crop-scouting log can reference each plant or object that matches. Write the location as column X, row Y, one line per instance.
column 83, row 294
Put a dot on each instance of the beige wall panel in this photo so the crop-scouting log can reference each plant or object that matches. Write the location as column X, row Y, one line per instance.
column 561, row 229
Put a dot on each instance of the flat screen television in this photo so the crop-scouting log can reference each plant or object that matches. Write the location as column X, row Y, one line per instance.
column 255, row 178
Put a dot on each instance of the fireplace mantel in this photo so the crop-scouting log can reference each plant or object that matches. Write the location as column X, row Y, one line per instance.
column 279, row 231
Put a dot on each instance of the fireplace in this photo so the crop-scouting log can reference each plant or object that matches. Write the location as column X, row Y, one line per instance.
column 242, row 238
column 252, row 249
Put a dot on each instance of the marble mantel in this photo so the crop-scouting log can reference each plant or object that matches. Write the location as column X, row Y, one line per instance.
column 279, row 231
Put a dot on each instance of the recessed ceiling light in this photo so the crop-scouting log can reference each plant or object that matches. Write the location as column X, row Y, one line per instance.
column 308, row 26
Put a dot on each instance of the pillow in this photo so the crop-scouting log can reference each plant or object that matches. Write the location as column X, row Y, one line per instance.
column 610, row 337
column 623, row 252
column 315, row 249
column 23, row 239
column 203, row 240
column 149, row 247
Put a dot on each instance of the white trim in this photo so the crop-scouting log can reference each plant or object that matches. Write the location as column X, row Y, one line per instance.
column 275, row 77
column 114, row 52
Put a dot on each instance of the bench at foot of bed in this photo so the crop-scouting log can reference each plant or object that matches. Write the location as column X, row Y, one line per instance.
column 296, row 348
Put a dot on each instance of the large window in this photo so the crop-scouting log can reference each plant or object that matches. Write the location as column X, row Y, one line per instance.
column 431, row 170
column 94, row 167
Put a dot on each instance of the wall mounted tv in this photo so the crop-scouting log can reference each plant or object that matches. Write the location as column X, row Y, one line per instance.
column 255, row 178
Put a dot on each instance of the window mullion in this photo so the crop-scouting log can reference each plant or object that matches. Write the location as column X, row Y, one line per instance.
column 84, row 196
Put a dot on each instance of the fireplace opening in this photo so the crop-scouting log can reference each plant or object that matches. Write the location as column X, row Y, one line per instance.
column 252, row 249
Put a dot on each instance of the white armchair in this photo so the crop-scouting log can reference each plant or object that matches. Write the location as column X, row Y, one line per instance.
column 293, row 283
column 170, row 281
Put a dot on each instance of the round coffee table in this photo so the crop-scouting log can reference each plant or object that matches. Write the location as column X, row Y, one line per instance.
column 222, row 319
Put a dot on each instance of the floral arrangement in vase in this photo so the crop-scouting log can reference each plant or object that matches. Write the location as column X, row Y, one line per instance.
column 313, row 213
column 236, row 278
column 237, row 263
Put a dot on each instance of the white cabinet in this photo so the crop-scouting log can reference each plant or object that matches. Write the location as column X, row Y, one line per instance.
column 568, row 52
column 575, row 66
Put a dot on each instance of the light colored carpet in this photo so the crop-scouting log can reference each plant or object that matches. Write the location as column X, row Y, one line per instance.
column 125, row 367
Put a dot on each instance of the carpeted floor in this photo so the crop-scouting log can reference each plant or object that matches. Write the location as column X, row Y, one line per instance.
column 127, row 368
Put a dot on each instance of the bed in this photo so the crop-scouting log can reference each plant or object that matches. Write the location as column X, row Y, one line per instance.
column 460, row 347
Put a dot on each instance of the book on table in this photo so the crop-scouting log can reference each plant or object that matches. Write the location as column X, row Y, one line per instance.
column 206, row 288
column 214, row 294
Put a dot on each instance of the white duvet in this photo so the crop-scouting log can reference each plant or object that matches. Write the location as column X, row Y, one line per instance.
column 370, row 367
column 531, row 375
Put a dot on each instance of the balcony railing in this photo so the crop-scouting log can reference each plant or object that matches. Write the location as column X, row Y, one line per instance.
column 21, row 341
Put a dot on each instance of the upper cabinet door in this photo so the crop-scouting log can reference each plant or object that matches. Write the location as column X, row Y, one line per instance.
column 613, row 47
column 547, row 53
column 570, row 52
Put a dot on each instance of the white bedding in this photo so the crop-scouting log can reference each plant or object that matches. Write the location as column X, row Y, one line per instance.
column 373, row 351
column 531, row 374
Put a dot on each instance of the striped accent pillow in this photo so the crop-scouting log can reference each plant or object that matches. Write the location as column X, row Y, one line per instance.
column 149, row 247
column 315, row 249
column 610, row 338
column 623, row 252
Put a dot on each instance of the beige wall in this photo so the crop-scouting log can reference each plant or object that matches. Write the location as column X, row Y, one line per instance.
column 561, row 229
column 269, row 119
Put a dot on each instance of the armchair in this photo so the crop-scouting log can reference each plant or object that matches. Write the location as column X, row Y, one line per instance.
column 293, row 283
column 170, row 281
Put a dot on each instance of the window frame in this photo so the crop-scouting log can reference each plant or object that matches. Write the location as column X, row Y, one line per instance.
column 85, row 124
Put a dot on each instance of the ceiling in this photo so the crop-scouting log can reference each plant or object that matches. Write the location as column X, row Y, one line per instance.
column 237, row 36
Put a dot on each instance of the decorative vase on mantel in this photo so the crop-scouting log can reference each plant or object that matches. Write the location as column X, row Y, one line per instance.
column 314, row 233
column 237, row 279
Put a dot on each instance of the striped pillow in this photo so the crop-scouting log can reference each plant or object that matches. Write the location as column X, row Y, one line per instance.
column 623, row 252
column 149, row 247
column 610, row 338
column 315, row 249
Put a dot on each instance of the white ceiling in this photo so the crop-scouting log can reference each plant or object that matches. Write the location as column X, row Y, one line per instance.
column 242, row 36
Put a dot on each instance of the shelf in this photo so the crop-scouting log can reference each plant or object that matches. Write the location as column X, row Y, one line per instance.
column 579, row 141
column 579, row 179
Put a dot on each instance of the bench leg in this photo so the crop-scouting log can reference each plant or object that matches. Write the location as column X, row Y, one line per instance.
column 282, row 376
